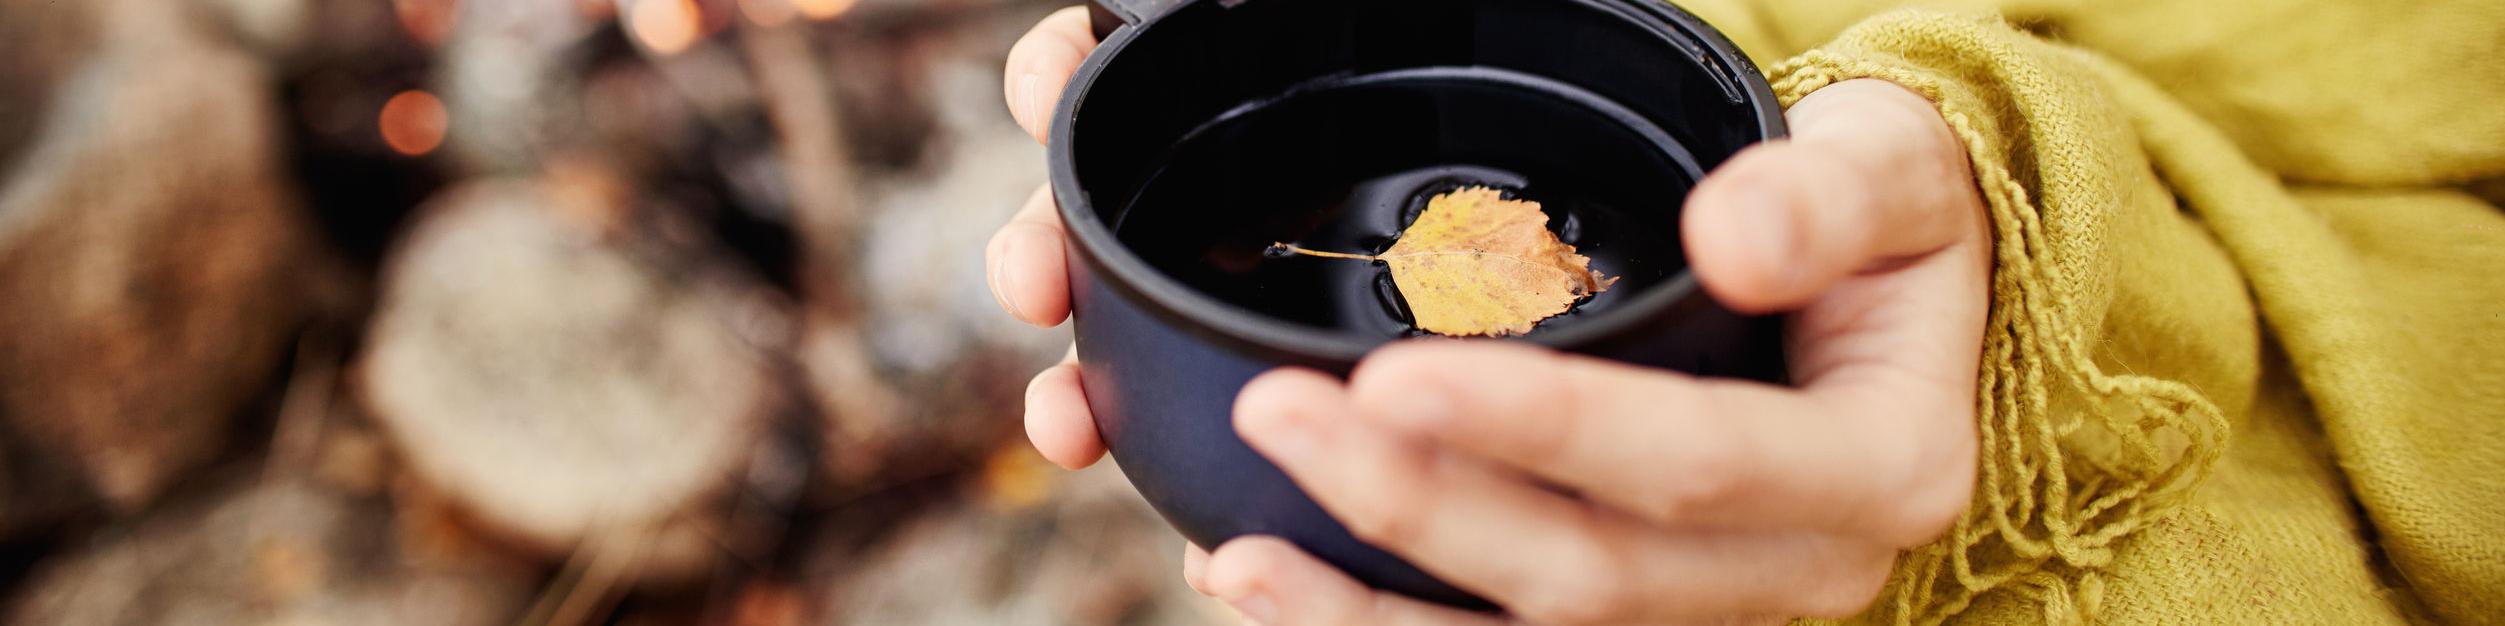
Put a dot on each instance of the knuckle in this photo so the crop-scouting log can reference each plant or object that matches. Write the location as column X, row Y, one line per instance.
column 1701, row 489
column 1601, row 406
column 1554, row 445
column 1593, row 590
column 1705, row 476
column 1383, row 524
column 1394, row 513
column 1396, row 374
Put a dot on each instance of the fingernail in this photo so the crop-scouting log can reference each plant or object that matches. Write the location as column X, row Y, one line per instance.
column 998, row 271
column 1283, row 434
column 1279, row 429
column 1256, row 607
column 1028, row 116
column 1195, row 569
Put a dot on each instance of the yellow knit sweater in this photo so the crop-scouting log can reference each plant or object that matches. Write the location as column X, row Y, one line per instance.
column 2246, row 356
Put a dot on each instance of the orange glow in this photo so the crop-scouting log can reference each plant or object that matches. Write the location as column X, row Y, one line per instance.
column 664, row 26
column 823, row 9
column 428, row 21
column 413, row 122
column 1015, row 477
column 768, row 13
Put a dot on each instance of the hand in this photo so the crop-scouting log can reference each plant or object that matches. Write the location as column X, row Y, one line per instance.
column 1025, row 261
column 1692, row 500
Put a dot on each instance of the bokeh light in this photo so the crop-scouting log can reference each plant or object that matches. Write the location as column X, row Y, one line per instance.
column 665, row 26
column 413, row 122
column 823, row 9
column 427, row 21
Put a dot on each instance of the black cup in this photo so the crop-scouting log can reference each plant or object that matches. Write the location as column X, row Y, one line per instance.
column 1231, row 116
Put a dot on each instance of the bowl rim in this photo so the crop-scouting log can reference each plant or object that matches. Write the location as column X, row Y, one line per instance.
column 1202, row 314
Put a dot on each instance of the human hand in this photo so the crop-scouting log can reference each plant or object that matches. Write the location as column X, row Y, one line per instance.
column 1693, row 500
column 1025, row 261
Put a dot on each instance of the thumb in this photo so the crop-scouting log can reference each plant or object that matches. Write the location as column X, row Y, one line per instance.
column 1870, row 177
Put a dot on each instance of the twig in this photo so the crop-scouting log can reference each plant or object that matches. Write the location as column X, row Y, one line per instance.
column 1289, row 249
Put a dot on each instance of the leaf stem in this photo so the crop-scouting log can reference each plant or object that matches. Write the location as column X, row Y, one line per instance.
column 1293, row 249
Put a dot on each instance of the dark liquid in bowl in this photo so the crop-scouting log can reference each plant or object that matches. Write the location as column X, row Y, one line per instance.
column 1345, row 164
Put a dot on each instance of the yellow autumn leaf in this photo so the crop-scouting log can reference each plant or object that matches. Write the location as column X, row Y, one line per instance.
column 1476, row 264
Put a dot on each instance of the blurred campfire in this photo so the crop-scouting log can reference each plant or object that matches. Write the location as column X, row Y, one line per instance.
column 538, row 312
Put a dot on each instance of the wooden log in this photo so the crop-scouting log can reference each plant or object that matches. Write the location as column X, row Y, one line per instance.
column 154, row 260
column 571, row 370
column 242, row 551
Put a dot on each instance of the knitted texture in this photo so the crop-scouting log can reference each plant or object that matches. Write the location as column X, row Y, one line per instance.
column 2208, row 395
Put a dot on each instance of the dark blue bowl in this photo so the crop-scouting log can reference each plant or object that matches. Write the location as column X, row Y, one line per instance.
column 1163, row 361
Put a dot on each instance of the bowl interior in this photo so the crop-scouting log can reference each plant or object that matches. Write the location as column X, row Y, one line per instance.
column 1326, row 122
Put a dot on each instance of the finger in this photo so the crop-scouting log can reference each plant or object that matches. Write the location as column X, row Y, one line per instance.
column 1670, row 448
column 1058, row 421
column 1274, row 584
column 1040, row 65
column 1196, row 568
column 1869, row 176
column 1028, row 273
column 1901, row 347
column 1546, row 557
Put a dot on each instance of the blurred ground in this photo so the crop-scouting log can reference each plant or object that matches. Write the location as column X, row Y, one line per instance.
column 538, row 312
